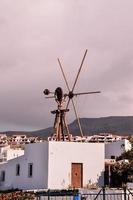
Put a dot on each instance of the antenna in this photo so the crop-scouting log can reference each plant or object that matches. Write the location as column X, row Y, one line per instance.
column 60, row 113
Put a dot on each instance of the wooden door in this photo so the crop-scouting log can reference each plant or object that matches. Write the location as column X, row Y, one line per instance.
column 77, row 175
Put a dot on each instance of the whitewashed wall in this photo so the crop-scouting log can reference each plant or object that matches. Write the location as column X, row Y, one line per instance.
column 7, row 153
column 62, row 154
column 52, row 165
column 36, row 154
column 116, row 148
column 14, row 153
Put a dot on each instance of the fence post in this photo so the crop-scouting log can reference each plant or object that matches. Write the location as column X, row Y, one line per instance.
column 48, row 194
column 125, row 192
column 103, row 193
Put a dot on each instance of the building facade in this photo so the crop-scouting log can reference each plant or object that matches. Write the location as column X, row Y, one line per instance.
column 55, row 165
column 7, row 153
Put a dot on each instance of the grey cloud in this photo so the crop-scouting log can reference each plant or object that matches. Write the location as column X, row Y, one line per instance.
column 34, row 33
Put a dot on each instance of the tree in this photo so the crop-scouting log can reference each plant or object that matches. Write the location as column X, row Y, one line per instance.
column 122, row 170
column 131, row 140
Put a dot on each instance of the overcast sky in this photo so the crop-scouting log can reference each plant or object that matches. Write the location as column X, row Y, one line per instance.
column 34, row 33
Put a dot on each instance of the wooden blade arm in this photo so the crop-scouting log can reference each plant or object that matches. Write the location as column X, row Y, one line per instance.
column 64, row 75
column 82, row 93
column 79, row 70
column 77, row 117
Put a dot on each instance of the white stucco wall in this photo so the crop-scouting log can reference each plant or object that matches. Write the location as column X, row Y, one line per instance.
column 7, row 153
column 14, row 153
column 116, row 148
column 34, row 153
column 52, row 165
column 62, row 154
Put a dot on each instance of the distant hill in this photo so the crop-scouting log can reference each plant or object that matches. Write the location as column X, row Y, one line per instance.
column 116, row 125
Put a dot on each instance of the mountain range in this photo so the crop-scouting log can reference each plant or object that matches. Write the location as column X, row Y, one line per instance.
column 118, row 125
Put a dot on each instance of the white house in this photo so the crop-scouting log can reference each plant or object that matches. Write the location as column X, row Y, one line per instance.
column 7, row 153
column 55, row 165
column 3, row 139
column 115, row 149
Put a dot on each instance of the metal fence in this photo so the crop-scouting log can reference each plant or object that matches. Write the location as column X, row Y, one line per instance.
column 105, row 194
column 101, row 194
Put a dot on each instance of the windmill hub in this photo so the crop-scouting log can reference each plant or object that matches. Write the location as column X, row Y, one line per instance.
column 70, row 95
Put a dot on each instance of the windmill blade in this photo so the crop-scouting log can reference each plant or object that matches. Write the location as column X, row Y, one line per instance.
column 82, row 93
column 81, row 65
column 50, row 97
column 75, row 111
column 79, row 70
column 65, row 80
column 63, row 75
column 77, row 117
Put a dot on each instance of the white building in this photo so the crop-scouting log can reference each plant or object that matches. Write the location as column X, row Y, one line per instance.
column 115, row 149
column 7, row 153
column 101, row 137
column 55, row 165
column 22, row 139
column 104, row 137
column 18, row 139
column 3, row 139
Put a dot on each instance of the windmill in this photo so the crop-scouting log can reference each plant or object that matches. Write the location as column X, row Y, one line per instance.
column 61, row 130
